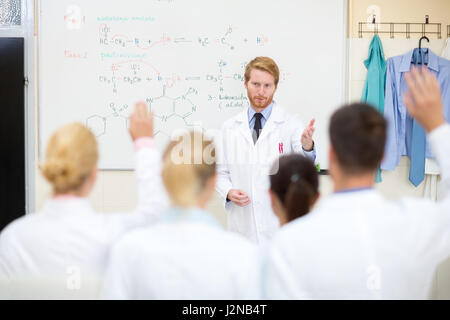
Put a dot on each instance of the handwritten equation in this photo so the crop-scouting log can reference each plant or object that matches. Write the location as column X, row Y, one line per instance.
column 128, row 63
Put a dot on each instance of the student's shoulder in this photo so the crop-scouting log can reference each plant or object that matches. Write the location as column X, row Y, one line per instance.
column 419, row 208
column 235, row 242
column 23, row 224
column 298, row 228
column 142, row 235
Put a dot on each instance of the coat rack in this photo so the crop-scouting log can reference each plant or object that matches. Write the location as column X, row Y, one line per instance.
column 401, row 28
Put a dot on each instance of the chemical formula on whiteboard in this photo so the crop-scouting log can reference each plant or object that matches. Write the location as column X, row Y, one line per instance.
column 186, row 60
column 128, row 61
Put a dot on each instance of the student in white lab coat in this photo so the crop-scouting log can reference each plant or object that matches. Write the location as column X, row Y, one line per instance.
column 187, row 255
column 250, row 142
column 294, row 189
column 355, row 244
column 67, row 239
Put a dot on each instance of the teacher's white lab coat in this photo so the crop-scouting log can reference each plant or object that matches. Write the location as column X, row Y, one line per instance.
column 246, row 166
column 358, row 245
column 67, row 238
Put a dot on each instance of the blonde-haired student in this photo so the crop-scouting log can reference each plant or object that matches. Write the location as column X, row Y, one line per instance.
column 187, row 255
column 67, row 237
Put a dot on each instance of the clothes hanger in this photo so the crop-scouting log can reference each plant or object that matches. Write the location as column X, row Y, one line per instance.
column 419, row 51
column 420, row 41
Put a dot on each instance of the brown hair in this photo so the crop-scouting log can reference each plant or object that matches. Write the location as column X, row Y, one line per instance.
column 188, row 163
column 264, row 64
column 358, row 135
column 70, row 158
column 296, row 184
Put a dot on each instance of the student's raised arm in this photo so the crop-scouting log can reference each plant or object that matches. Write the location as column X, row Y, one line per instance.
column 424, row 103
column 152, row 198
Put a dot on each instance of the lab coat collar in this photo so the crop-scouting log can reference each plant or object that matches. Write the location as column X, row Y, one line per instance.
column 277, row 114
column 243, row 116
column 177, row 214
column 405, row 65
column 243, row 126
column 242, row 121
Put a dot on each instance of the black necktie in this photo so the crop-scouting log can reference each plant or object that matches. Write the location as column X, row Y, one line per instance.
column 257, row 128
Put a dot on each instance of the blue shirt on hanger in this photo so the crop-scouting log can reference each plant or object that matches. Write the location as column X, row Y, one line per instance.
column 399, row 121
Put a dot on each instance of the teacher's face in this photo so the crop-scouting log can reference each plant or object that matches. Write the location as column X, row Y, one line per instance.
column 260, row 89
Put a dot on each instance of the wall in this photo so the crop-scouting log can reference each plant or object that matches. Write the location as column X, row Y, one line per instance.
column 398, row 11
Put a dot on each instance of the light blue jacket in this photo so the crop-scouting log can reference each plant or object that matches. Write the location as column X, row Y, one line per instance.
column 376, row 78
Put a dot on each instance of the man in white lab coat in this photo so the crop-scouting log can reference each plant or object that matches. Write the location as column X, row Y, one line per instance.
column 355, row 244
column 250, row 143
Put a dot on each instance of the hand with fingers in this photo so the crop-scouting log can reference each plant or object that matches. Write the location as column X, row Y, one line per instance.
column 307, row 136
column 141, row 122
column 239, row 197
column 423, row 100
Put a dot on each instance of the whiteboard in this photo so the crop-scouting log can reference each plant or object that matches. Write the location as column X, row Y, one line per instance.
column 186, row 59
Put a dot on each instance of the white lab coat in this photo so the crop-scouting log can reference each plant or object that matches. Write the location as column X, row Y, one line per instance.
column 246, row 166
column 67, row 239
column 183, row 258
column 358, row 245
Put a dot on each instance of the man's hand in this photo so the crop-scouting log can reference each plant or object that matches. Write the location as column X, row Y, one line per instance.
column 307, row 140
column 141, row 122
column 423, row 100
column 239, row 197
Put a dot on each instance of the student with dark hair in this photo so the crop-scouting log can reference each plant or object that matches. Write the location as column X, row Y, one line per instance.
column 355, row 244
column 294, row 188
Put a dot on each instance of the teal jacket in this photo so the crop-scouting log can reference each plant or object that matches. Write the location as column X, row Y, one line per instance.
column 376, row 78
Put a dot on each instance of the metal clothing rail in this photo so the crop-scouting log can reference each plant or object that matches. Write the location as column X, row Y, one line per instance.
column 422, row 29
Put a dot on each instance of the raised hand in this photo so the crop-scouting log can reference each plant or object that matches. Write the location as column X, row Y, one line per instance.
column 141, row 122
column 423, row 100
column 307, row 136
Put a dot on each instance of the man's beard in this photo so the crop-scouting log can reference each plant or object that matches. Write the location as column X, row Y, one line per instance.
column 257, row 104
